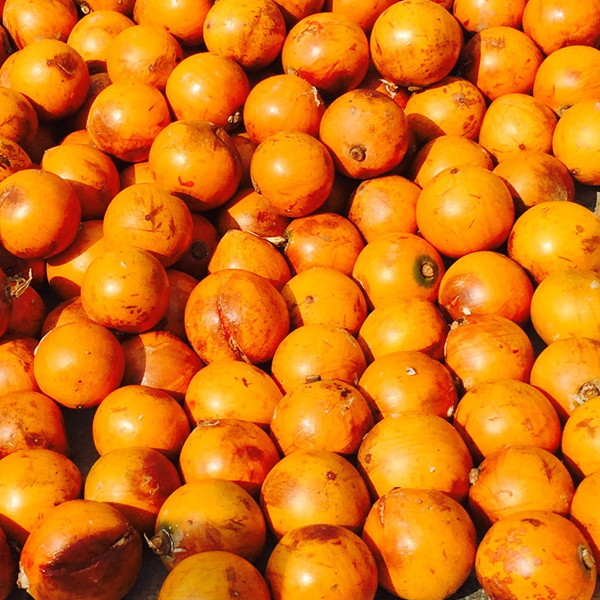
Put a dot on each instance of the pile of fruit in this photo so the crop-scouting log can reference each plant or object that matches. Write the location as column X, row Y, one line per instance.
column 292, row 255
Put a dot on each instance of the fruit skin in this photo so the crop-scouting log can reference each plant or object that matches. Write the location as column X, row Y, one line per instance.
column 136, row 481
column 415, row 451
column 335, row 561
column 475, row 15
column 555, row 236
column 505, row 412
column 216, row 575
column 79, row 364
column 28, row 493
column 8, row 568
column 207, row 515
column 236, row 315
column 81, row 545
column 568, row 373
column 314, row 486
column 533, row 552
column 579, row 445
column 415, row 43
column 584, row 513
column 16, row 364
column 408, row 531
column 329, row 51
column 519, row 478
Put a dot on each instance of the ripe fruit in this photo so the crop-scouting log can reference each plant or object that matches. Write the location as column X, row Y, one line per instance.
column 486, row 283
column 250, row 32
column 27, row 315
column 30, row 420
column 575, row 145
column 52, row 76
column 415, row 43
column 79, row 364
column 79, row 544
column 567, row 304
column 408, row 530
column 568, row 372
column 583, row 512
column 366, row 133
column 16, row 364
column 126, row 289
column 557, row 557
column 327, row 560
column 329, row 51
column 324, row 415
column 517, row 123
column 195, row 259
column 314, row 486
column 208, row 87
column 486, row 347
column 138, row 415
column 68, row 311
column 12, row 158
column 419, row 451
column 8, row 568
column 228, row 449
column 504, row 412
column 196, row 161
column 282, row 103
column 232, row 390
column 324, row 295
column 125, row 118
column 556, row 236
column 236, row 315
column 136, row 481
column 579, row 446
column 159, row 360
column 465, row 209
column 279, row 167
column 210, row 574
column 500, row 60
column 208, row 515
column 39, row 214
column 398, row 266
column 22, row 128
column 29, row 493
column 453, row 106
column 314, row 352
column 519, row 478
column 384, row 205
column 475, row 15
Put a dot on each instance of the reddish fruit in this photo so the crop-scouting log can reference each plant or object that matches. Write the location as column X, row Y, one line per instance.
column 161, row 361
column 296, row 10
column 21, row 122
column 250, row 32
column 136, row 481
column 228, row 449
column 211, row 574
column 29, row 492
column 503, row 412
column 78, row 121
column 52, row 76
column 12, row 158
column 314, row 486
column 465, row 209
column 232, row 390
column 208, row 87
column 137, row 415
column 452, row 106
column 39, row 214
column 519, row 478
column 182, row 285
column 27, row 315
column 500, row 60
column 208, row 515
column 415, row 43
column 324, row 415
column 477, row 15
column 68, row 311
column 30, row 420
column 486, row 283
column 568, row 372
column 486, row 347
column 16, row 364
column 8, row 568
column 196, row 161
column 579, row 445
column 327, row 50
column 366, row 132
column 408, row 381
column 126, row 289
column 583, row 512
column 398, row 266
column 535, row 177
column 408, row 530
column 324, row 560
column 566, row 571
column 82, row 545
column 364, row 14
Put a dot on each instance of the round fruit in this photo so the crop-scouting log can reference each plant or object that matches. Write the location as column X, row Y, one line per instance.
column 580, row 447
column 583, row 512
column 477, row 15
column 16, row 364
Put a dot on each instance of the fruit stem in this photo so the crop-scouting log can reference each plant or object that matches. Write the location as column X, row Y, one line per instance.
column 588, row 391
column 358, row 153
column 279, row 241
column 312, row 379
column 586, row 557
column 428, row 270
column 161, row 544
column 474, row 476
column 19, row 284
